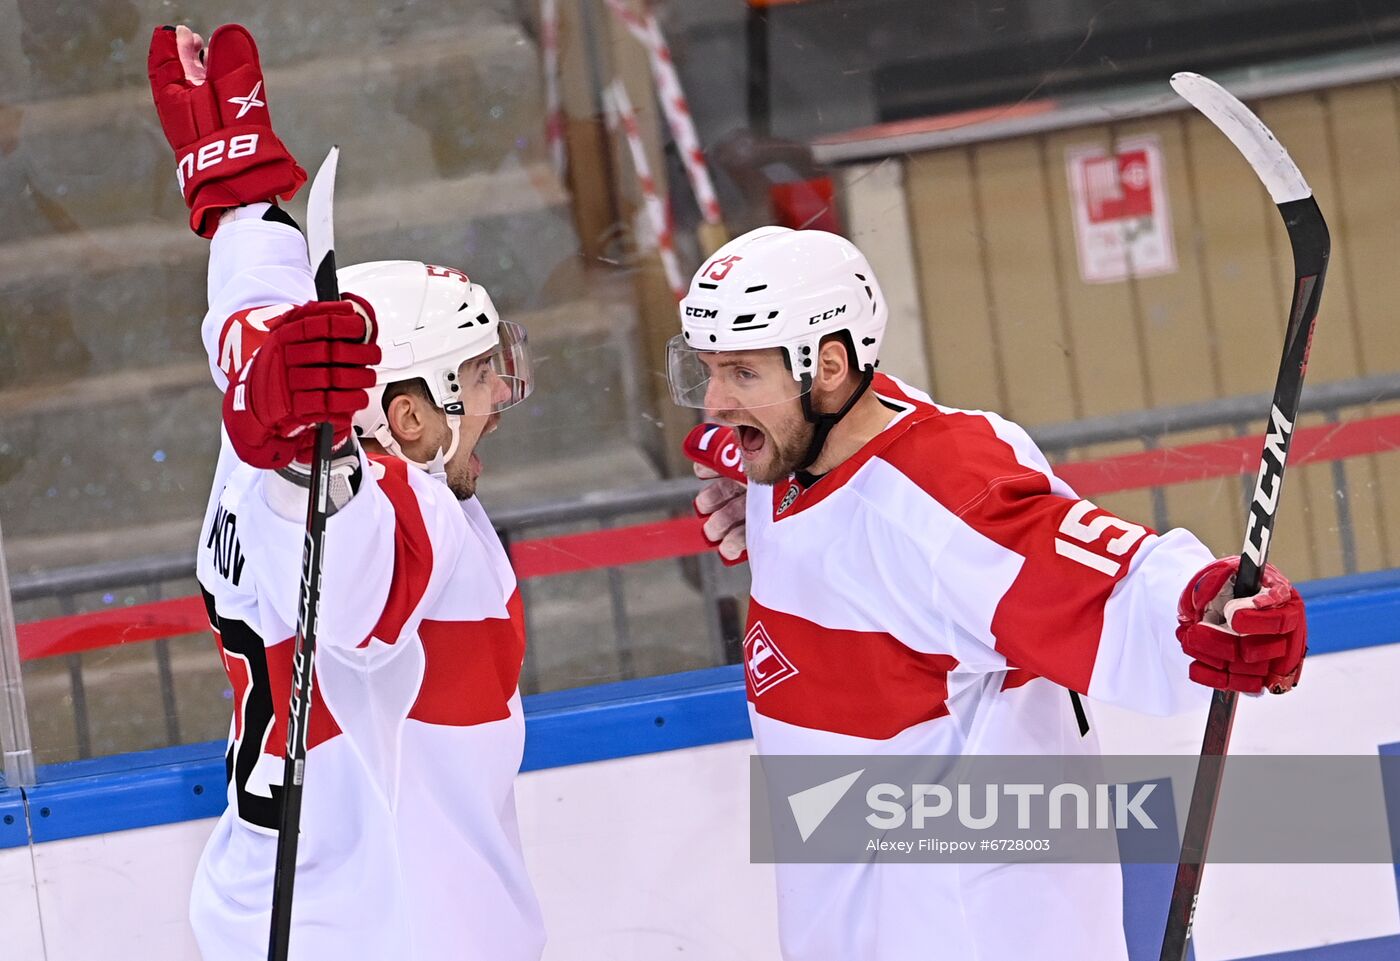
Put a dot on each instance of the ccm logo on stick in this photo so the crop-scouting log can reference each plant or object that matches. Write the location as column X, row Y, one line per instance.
column 1266, row 488
column 214, row 153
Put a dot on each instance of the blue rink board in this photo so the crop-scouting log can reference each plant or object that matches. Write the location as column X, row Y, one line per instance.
column 628, row 718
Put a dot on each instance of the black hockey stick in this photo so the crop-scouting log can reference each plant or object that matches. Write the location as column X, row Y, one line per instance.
column 1307, row 233
column 320, row 240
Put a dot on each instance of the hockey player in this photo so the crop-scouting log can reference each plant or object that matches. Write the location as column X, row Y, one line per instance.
column 923, row 584
column 409, row 844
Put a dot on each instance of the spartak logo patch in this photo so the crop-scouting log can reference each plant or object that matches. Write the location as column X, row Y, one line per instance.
column 765, row 665
column 789, row 497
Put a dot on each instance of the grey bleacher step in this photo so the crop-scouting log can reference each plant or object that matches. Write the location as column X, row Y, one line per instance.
column 88, row 303
column 136, row 449
column 458, row 100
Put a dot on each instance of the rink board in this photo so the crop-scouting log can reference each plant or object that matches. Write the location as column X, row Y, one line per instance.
column 634, row 812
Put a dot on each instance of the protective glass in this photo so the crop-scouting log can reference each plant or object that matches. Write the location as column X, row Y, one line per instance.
column 500, row 379
column 730, row 380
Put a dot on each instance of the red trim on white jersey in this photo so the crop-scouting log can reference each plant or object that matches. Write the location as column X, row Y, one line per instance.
column 1051, row 619
column 321, row 726
column 862, row 683
column 242, row 334
column 471, row 668
column 413, row 552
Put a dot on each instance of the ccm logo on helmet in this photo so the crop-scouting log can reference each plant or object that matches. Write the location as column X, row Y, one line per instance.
column 214, row 153
column 827, row 314
column 704, row 313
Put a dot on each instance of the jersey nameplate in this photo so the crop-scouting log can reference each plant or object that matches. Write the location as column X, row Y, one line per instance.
column 223, row 544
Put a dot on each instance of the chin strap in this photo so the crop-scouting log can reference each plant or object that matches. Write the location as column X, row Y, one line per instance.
column 435, row 468
column 825, row 422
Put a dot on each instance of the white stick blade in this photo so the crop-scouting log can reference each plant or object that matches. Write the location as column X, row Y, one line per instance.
column 320, row 210
column 1248, row 133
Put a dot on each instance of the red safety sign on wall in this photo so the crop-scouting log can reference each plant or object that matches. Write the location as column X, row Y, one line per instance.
column 1122, row 224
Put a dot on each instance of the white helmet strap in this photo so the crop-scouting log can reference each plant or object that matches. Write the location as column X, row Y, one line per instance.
column 436, row 467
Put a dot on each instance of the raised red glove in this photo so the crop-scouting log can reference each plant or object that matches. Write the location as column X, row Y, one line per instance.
column 1247, row 645
column 213, row 108
column 722, row 503
column 315, row 366
column 716, row 447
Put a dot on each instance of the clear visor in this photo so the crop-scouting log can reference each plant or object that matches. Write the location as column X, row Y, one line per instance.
column 500, row 378
column 730, row 380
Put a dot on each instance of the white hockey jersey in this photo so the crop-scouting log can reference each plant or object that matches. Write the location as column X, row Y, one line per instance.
column 934, row 595
column 409, row 846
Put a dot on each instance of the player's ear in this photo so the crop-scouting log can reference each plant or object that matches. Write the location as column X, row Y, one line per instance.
column 405, row 418
column 833, row 364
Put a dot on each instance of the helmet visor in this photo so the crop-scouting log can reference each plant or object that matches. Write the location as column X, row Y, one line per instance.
column 723, row 380
column 500, row 378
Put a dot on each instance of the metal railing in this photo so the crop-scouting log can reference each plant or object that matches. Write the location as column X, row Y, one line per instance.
column 600, row 510
column 716, row 588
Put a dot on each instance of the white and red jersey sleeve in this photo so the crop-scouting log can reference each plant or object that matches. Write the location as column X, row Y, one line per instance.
column 258, row 269
column 1055, row 584
column 950, row 535
column 390, row 551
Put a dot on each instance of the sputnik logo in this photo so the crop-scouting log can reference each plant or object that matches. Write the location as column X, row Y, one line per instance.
column 249, row 102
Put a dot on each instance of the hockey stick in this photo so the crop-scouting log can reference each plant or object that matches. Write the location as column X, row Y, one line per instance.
column 320, row 239
column 1307, row 234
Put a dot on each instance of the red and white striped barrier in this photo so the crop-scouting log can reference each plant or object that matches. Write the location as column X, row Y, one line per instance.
column 554, row 108
column 673, row 104
column 619, row 112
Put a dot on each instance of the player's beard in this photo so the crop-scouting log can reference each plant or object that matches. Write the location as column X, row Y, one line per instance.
column 784, row 447
column 461, row 481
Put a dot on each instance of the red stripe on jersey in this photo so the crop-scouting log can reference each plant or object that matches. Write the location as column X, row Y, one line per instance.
column 861, row 683
column 320, row 728
column 237, row 670
column 1051, row 618
column 471, row 669
column 1016, row 678
column 413, row 552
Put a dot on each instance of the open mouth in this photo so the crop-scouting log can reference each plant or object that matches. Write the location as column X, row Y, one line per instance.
column 751, row 439
column 474, row 464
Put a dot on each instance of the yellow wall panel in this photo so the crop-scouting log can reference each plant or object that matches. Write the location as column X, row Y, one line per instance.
column 1365, row 134
column 1024, row 299
column 947, row 232
column 1064, row 349
column 1104, row 345
column 1178, row 335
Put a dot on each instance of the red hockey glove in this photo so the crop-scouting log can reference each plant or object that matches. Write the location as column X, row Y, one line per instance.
column 1246, row 645
column 715, row 447
column 213, row 109
column 314, row 367
column 722, row 503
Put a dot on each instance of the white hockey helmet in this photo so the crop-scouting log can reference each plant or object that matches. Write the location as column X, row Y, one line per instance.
column 430, row 320
column 776, row 287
